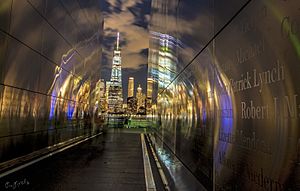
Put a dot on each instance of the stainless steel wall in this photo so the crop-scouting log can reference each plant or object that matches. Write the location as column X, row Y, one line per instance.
column 231, row 114
column 49, row 59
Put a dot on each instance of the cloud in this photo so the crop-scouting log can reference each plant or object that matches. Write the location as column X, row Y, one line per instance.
column 123, row 4
column 124, row 17
column 134, row 61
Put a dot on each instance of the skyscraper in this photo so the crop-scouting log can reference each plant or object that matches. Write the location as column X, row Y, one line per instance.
column 139, row 91
column 115, row 97
column 116, row 72
column 130, row 87
column 149, row 95
column 149, row 87
column 131, row 100
column 140, row 97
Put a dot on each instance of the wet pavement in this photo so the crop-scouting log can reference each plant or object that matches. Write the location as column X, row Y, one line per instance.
column 112, row 161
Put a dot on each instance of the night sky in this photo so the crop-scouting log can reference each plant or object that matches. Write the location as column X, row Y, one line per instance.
column 130, row 18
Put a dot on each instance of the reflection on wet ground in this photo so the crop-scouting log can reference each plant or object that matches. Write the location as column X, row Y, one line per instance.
column 112, row 161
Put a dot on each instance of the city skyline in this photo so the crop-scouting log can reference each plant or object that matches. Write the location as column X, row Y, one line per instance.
column 115, row 93
column 131, row 19
column 117, row 70
column 138, row 103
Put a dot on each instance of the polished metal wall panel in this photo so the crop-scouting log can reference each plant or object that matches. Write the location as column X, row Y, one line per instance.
column 5, row 14
column 59, row 18
column 46, row 69
column 50, row 54
column 30, row 34
column 50, row 39
column 232, row 115
column 3, row 48
column 4, row 25
column 259, row 144
column 224, row 11
column 21, row 63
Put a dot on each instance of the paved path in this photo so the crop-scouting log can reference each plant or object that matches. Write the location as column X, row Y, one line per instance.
column 112, row 161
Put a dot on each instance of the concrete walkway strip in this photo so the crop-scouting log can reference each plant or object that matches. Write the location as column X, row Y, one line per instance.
column 150, row 184
column 45, row 156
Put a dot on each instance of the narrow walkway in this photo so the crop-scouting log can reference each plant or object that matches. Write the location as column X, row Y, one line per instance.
column 113, row 161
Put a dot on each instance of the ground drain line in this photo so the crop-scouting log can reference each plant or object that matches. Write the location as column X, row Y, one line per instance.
column 150, row 184
column 158, row 165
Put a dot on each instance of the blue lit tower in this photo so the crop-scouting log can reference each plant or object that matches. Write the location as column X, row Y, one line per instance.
column 115, row 98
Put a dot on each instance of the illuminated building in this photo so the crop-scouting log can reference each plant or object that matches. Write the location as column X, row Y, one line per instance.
column 139, row 95
column 130, row 87
column 162, row 61
column 107, row 85
column 140, row 98
column 149, row 95
column 149, row 87
column 131, row 100
column 131, row 105
column 115, row 98
column 124, row 107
